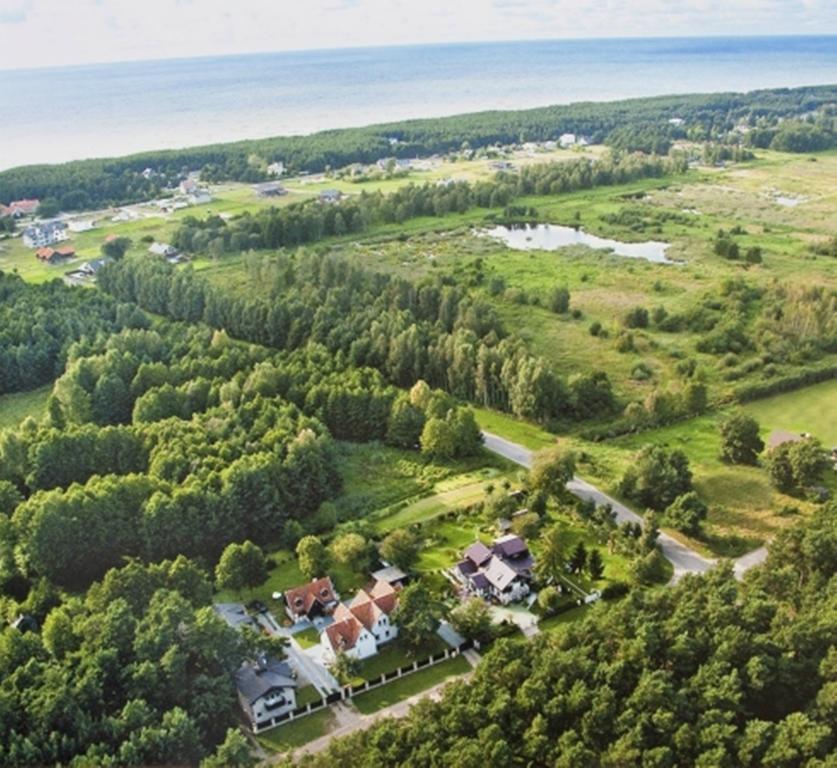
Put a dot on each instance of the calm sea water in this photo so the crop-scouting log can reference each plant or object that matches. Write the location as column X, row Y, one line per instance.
column 51, row 115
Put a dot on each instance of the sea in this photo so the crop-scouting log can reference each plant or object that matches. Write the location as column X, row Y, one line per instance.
column 58, row 114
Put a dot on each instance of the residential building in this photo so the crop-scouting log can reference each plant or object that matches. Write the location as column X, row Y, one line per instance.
column 317, row 598
column 566, row 140
column 20, row 208
column 502, row 571
column 162, row 249
column 54, row 255
column 236, row 616
column 200, row 196
column 364, row 624
column 266, row 690
column 45, row 233
column 331, row 196
column 392, row 575
column 81, row 225
column 188, row 186
column 270, row 189
column 276, row 169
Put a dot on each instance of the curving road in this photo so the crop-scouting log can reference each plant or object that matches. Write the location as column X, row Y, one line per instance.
column 683, row 559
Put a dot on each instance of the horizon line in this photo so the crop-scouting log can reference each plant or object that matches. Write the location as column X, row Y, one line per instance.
column 437, row 44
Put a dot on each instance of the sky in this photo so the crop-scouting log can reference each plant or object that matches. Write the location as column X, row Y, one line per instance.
column 39, row 33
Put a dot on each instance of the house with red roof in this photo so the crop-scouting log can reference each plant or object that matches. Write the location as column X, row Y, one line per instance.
column 312, row 600
column 364, row 624
column 20, row 208
column 54, row 255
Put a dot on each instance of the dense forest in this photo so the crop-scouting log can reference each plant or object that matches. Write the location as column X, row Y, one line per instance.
column 709, row 673
column 89, row 183
column 309, row 222
column 39, row 323
column 431, row 330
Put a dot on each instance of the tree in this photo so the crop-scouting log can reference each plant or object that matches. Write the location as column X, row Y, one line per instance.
column 10, row 497
column 686, row 513
column 417, row 615
column 472, row 620
column 405, row 425
column 351, row 550
column 116, row 248
column 559, row 300
column 437, row 439
column 595, row 565
column 401, row 548
column 550, row 564
column 656, row 477
column 344, row 667
column 740, row 441
column 578, row 559
column 240, row 566
column 313, row 557
column 796, row 465
column 552, row 469
column 549, row 600
column 234, row 752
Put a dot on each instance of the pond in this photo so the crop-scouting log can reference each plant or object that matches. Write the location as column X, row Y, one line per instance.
column 550, row 237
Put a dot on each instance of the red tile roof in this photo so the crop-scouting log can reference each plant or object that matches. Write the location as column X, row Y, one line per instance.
column 300, row 600
column 343, row 635
column 45, row 254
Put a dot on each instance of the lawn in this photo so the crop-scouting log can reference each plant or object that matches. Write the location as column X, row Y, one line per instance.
column 813, row 410
column 16, row 406
column 394, row 655
column 307, row 638
column 308, row 694
column 414, row 683
column 298, row 732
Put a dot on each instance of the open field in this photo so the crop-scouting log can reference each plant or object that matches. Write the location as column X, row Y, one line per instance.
column 401, row 689
column 16, row 406
column 813, row 410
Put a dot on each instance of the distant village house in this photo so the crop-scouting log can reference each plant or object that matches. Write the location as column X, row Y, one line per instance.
column 45, row 233
column 270, row 189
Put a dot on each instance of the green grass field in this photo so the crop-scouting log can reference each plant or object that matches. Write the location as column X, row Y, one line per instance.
column 394, row 655
column 813, row 410
column 15, row 407
column 414, row 683
column 299, row 732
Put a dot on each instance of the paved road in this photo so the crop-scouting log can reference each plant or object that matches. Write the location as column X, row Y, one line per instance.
column 683, row 559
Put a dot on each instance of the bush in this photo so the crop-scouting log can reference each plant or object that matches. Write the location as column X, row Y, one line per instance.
column 615, row 590
column 636, row 318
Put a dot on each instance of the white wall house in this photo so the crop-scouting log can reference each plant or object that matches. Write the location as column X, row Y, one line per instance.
column 362, row 625
column 45, row 233
column 266, row 689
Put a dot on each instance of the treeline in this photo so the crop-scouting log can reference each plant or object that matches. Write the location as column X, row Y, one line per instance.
column 90, row 183
column 309, row 222
column 708, row 673
column 135, row 672
column 432, row 330
column 796, row 135
column 39, row 322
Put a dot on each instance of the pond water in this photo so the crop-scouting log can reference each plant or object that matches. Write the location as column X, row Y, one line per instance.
column 550, row 237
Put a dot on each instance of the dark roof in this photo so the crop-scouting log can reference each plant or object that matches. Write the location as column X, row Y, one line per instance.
column 479, row 581
column 510, row 546
column 255, row 679
column 478, row 553
column 466, row 567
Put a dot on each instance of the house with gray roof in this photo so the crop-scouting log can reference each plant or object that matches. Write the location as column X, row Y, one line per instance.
column 501, row 572
column 266, row 690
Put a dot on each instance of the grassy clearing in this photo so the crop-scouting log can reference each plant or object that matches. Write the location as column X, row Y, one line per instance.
column 299, row 732
column 308, row 694
column 554, row 623
column 514, row 429
column 401, row 689
column 805, row 410
column 16, row 406
column 283, row 574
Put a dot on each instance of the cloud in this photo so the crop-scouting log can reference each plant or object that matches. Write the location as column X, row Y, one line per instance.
column 48, row 32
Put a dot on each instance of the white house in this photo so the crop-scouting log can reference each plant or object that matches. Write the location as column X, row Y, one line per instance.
column 276, row 169
column 162, row 249
column 81, row 225
column 266, row 689
column 566, row 140
column 362, row 625
column 45, row 233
